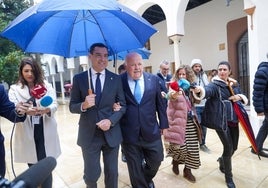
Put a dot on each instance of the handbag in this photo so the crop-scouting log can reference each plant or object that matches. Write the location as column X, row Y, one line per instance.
column 214, row 115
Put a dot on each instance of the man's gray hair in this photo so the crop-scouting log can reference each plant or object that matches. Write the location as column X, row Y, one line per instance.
column 164, row 62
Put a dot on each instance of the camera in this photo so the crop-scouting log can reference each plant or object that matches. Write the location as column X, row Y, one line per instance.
column 193, row 85
column 4, row 183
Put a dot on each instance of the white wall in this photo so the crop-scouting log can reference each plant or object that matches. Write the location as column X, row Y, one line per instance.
column 205, row 29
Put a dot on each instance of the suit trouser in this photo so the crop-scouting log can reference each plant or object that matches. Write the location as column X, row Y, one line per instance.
column 263, row 132
column 152, row 152
column 2, row 156
column 92, row 168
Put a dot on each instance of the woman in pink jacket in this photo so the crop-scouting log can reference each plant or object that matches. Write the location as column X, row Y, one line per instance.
column 183, row 132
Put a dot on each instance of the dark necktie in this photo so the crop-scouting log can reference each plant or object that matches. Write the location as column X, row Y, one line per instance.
column 137, row 91
column 98, row 88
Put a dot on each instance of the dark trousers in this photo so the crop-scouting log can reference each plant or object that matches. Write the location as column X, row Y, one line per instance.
column 92, row 167
column 199, row 111
column 263, row 132
column 2, row 156
column 229, row 140
column 152, row 152
column 40, row 150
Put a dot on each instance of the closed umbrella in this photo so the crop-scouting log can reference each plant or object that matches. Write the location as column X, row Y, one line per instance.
column 244, row 121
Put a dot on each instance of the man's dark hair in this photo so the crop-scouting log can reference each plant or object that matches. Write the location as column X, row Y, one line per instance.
column 122, row 67
column 93, row 46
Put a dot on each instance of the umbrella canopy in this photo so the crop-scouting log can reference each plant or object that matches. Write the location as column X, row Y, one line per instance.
column 68, row 28
column 244, row 121
column 145, row 54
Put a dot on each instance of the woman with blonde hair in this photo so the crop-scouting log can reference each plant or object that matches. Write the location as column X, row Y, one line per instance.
column 183, row 133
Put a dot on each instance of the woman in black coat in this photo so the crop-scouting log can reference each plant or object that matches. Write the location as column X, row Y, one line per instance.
column 229, row 138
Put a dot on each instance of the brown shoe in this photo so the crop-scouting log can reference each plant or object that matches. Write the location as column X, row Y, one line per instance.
column 187, row 174
column 175, row 167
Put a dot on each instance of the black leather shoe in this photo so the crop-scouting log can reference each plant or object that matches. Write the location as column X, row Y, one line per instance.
column 261, row 153
column 124, row 158
column 151, row 185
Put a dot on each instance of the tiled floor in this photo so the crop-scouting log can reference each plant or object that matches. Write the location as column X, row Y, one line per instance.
column 248, row 170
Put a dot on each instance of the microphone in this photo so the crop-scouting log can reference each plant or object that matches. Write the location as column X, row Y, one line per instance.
column 181, row 83
column 46, row 101
column 37, row 92
column 36, row 174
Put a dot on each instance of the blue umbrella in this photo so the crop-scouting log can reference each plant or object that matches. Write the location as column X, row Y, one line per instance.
column 69, row 27
column 145, row 54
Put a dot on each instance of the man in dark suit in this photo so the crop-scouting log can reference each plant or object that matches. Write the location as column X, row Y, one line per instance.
column 12, row 113
column 140, row 127
column 99, row 129
column 164, row 75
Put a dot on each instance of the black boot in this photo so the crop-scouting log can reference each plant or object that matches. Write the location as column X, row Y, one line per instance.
column 228, row 172
column 221, row 164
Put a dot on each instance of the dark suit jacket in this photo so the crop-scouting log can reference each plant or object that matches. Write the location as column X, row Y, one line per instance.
column 163, row 81
column 141, row 119
column 7, row 110
column 112, row 92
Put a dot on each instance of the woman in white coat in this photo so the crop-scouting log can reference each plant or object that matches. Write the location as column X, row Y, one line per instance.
column 37, row 137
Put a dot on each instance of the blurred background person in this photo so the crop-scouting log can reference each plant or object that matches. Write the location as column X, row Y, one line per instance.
column 122, row 68
column 212, row 73
column 164, row 75
column 200, row 80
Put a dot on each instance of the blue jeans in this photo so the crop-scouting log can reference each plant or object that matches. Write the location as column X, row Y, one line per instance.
column 263, row 132
column 199, row 111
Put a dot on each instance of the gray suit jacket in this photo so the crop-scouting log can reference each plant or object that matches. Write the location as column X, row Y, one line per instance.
column 112, row 92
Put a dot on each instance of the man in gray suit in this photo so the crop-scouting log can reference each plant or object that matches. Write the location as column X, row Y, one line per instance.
column 99, row 129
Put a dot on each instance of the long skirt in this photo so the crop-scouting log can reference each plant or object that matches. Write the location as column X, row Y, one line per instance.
column 188, row 153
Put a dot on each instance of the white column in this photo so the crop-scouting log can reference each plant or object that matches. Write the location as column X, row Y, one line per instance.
column 84, row 62
column 62, row 88
column 176, row 40
column 60, row 62
column 257, row 37
column 70, row 66
column 53, row 82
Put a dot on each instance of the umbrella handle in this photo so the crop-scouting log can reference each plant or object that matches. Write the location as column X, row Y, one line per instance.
column 230, row 88
column 90, row 91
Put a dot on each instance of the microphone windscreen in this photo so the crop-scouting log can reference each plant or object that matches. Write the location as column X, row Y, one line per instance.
column 184, row 84
column 38, row 91
column 46, row 101
column 37, row 173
